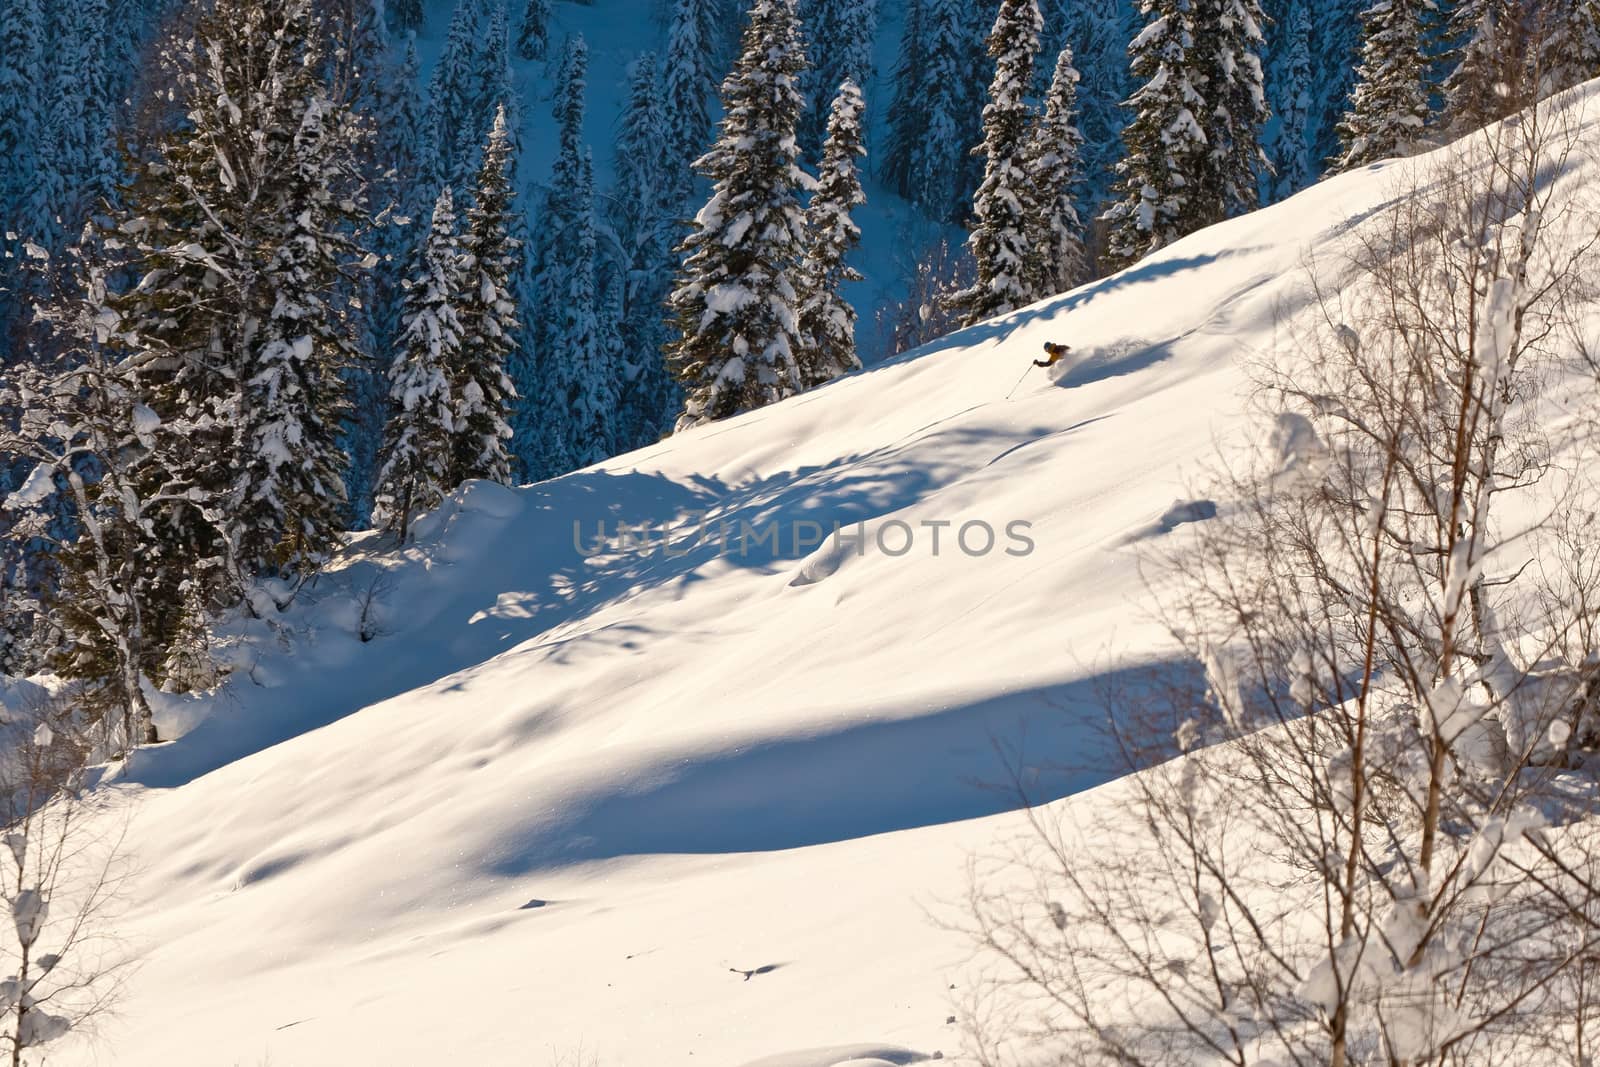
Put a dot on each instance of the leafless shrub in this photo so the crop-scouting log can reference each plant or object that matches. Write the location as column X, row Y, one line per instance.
column 61, row 870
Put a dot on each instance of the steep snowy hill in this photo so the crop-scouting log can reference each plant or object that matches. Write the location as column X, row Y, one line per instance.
column 692, row 804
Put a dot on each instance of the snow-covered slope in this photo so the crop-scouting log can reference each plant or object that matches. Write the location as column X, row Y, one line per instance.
column 694, row 807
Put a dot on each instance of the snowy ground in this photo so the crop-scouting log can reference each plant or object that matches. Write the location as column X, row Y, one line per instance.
column 672, row 808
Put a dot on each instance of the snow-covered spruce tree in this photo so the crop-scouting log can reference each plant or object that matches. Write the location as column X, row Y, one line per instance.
column 580, row 376
column 1353, row 830
column 480, row 387
column 948, row 95
column 238, row 235
column 1337, row 33
column 392, row 191
column 419, row 439
column 89, row 92
column 1002, row 227
column 1293, row 81
column 1569, row 44
column 1230, row 41
column 735, row 300
column 1389, row 105
column 642, row 216
column 688, row 83
column 22, row 136
column 533, row 36
column 286, row 505
column 906, row 117
column 839, row 37
column 827, row 321
column 1492, row 66
column 453, row 97
column 288, row 149
column 495, row 87
column 1159, row 198
column 1098, row 32
column 1058, row 261
column 405, row 16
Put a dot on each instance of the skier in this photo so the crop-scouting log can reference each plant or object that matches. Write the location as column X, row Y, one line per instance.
column 1055, row 352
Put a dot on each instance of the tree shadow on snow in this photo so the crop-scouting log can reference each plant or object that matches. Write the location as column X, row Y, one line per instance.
column 994, row 755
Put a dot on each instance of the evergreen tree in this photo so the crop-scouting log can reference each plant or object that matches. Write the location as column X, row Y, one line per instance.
column 495, row 88
column 1159, row 197
column 533, row 39
column 907, row 120
column 1336, row 29
column 1055, row 240
column 735, row 300
column 840, row 35
column 1491, row 67
column 23, row 126
column 1570, row 51
column 936, row 175
column 580, row 381
column 1230, row 43
column 418, row 442
column 239, row 238
column 1389, row 105
column 1000, row 239
column 480, row 388
column 688, row 83
column 287, row 502
column 827, row 321
column 1098, row 32
column 642, row 216
column 454, row 98
column 1294, row 80
column 405, row 16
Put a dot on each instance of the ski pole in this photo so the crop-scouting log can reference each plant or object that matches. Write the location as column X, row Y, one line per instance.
column 1014, row 388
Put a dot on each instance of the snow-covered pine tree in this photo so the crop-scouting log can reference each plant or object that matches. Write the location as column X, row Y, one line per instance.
column 480, row 388
column 1337, row 31
column 393, row 193
column 405, row 16
column 453, row 97
column 237, row 237
column 1389, row 105
column 946, row 94
column 906, row 117
column 1491, row 67
column 1293, row 80
column 1570, row 39
column 23, row 126
column 689, row 81
column 1098, row 32
column 839, row 36
column 495, row 89
column 290, row 150
column 735, row 301
column 418, row 442
column 999, row 242
column 533, row 37
column 84, row 169
column 642, row 217
column 1229, row 38
column 1053, row 162
column 1166, row 149
column 827, row 321
column 287, row 506
column 580, row 378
